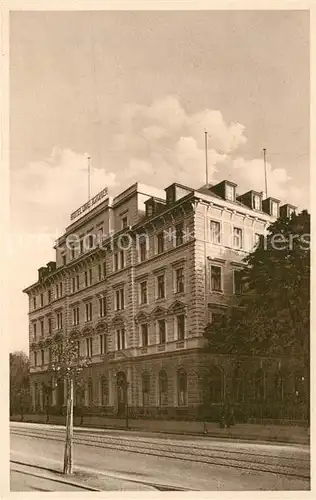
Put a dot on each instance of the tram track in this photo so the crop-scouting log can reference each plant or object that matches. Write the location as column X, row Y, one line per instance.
column 264, row 463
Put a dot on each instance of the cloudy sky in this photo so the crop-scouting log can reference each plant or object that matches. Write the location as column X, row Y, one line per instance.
column 135, row 91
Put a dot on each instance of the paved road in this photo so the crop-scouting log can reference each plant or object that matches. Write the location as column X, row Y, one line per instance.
column 167, row 461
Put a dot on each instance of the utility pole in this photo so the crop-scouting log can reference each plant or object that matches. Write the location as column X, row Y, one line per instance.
column 265, row 170
column 206, row 159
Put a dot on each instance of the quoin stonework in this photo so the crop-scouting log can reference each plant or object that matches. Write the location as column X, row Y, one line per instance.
column 136, row 280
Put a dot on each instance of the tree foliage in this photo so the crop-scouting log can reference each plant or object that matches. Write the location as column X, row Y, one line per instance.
column 273, row 314
column 19, row 383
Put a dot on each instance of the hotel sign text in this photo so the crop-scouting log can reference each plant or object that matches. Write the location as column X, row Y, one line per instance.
column 89, row 203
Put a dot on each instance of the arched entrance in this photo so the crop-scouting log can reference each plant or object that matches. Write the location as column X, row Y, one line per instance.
column 121, row 393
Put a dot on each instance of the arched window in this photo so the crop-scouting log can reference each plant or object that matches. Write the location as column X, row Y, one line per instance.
column 90, row 392
column 216, row 385
column 238, row 385
column 163, row 388
column 278, row 386
column 182, row 388
column 145, row 388
column 259, row 385
column 103, row 391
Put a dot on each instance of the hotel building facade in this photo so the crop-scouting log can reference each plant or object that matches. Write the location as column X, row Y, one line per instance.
column 136, row 280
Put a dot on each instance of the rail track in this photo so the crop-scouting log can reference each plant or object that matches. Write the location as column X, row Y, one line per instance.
column 289, row 466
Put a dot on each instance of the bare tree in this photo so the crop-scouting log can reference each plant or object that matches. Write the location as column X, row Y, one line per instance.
column 67, row 365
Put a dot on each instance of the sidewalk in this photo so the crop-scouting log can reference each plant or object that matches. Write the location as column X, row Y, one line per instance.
column 277, row 433
column 82, row 478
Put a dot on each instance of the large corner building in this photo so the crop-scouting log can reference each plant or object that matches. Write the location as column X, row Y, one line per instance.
column 135, row 282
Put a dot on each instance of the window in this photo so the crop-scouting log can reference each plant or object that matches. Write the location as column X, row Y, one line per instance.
column 81, row 246
column 230, row 192
column 180, row 280
column 42, row 327
column 49, row 326
column 142, row 250
column 99, row 272
column 237, row 237
column 291, row 211
column 59, row 318
column 35, row 358
column 161, row 286
column 119, row 299
column 61, row 289
column 90, row 277
column 216, row 385
column 100, row 235
column 216, row 278
column 50, row 355
column 75, row 316
column 103, row 391
column 73, row 284
column 216, row 317
column 145, row 388
column 180, row 326
column 77, row 281
column 90, row 391
column 120, row 339
column 89, row 311
column 116, row 262
column 124, row 222
column 143, row 292
column 144, row 334
column 104, row 268
column 162, row 331
column 78, row 349
column 256, row 202
column 49, row 296
column 160, row 243
column 72, row 253
column 42, row 357
column 257, row 239
column 103, row 344
column 64, row 260
column 163, row 388
column 34, row 330
column 90, row 240
column 274, row 209
column 179, row 234
column 237, row 282
column 122, row 259
column 86, row 278
column 42, row 300
column 89, row 347
column 102, row 306
column 182, row 388
column 34, row 302
column 215, row 230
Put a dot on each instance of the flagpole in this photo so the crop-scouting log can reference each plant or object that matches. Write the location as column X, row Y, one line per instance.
column 206, row 160
column 265, row 170
column 89, row 178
